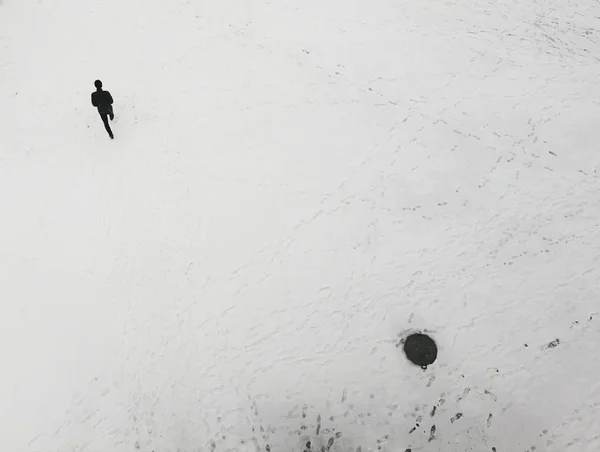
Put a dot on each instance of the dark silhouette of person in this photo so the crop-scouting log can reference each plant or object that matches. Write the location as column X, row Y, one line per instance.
column 103, row 101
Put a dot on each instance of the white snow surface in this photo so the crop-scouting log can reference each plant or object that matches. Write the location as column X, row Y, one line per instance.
column 294, row 187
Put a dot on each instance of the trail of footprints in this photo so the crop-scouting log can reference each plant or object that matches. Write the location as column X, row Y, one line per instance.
column 317, row 433
column 307, row 430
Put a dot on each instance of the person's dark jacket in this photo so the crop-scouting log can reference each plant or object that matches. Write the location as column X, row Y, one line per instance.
column 103, row 100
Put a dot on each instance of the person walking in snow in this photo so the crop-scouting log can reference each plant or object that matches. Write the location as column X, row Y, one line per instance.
column 103, row 101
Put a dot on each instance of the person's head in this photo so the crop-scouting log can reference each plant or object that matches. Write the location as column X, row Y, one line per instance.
column 98, row 84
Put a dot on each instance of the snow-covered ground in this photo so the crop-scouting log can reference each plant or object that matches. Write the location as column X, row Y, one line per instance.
column 293, row 188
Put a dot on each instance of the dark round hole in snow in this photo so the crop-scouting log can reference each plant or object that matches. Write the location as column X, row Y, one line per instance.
column 420, row 349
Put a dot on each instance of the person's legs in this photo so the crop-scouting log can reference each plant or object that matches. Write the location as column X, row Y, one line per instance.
column 104, row 117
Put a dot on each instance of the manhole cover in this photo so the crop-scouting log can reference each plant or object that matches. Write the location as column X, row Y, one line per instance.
column 420, row 349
